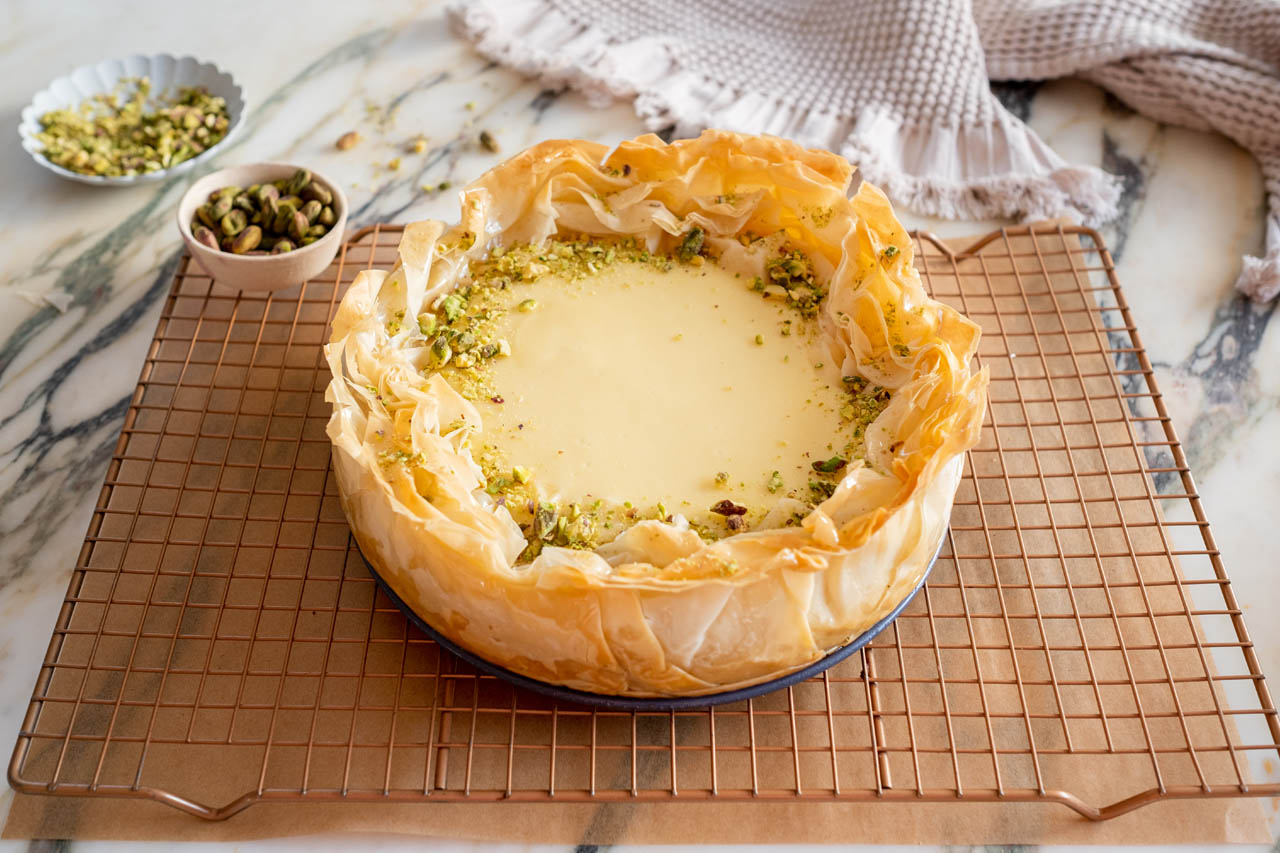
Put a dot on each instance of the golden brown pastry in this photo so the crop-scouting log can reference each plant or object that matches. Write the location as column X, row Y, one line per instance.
column 655, row 605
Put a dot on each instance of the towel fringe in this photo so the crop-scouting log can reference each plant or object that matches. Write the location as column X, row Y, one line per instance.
column 926, row 169
column 1260, row 277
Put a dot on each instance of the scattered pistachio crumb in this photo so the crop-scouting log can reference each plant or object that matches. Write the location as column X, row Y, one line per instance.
column 759, row 340
column 393, row 164
column 418, row 145
column 347, row 141
column 527, row 305
column 521, row 474
column 489, row 143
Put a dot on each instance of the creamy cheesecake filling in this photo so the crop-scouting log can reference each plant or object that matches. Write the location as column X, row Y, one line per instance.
column 648, row 386
column 614, row 386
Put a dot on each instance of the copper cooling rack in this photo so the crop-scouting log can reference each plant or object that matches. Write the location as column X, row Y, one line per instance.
column 1078, row 641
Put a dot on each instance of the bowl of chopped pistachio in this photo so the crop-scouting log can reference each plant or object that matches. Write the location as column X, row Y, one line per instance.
column 263, row 226
column 126, row 121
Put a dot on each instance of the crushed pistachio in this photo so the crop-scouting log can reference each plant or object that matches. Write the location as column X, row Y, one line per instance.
column 775, row 482
column 829, row 466
column 822, row 489
column 791, row 272
column 691, row 245
column 890, row 251
column 441, row 352
column 453, row 306
column 113, row 137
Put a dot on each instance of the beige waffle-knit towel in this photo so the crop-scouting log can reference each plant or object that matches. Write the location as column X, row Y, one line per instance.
column 900, row 87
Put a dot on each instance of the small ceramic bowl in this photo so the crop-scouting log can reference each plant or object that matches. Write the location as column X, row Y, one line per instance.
column 167, row 73
column 260, row 272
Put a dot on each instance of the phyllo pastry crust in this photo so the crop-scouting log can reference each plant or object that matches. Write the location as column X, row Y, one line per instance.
column 550, row 571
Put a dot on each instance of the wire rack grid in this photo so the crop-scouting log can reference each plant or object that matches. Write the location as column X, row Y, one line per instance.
column 222, row 643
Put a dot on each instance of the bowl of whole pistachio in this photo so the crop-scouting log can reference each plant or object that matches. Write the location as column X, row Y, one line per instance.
column 126, row 121
column 263, row 226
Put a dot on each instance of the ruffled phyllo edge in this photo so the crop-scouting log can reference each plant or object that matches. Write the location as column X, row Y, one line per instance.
column 657, row 611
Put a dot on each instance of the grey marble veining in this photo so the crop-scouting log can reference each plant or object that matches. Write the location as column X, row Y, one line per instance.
column 84, row 271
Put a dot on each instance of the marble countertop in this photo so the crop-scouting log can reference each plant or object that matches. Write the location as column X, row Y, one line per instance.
column 83, row 271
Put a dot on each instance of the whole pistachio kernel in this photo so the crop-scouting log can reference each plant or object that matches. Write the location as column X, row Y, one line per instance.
column 317, row 231
column 202, row 214
column 327, row 217
column 205, row 237
column 311, row 210
column 281, row 247
column 299, row 181
column 267, row 191
column 284, row 217
column 219, row 207
column 233, row 223
column 247, row 240
column 316, row 191
column 299, row 226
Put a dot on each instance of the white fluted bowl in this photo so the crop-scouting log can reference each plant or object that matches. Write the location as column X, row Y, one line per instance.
column 167, row 73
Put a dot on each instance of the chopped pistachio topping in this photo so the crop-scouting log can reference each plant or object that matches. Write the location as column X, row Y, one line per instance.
column 111, row 136
column 790, row 274
column 691, row 245
column 461, row 339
